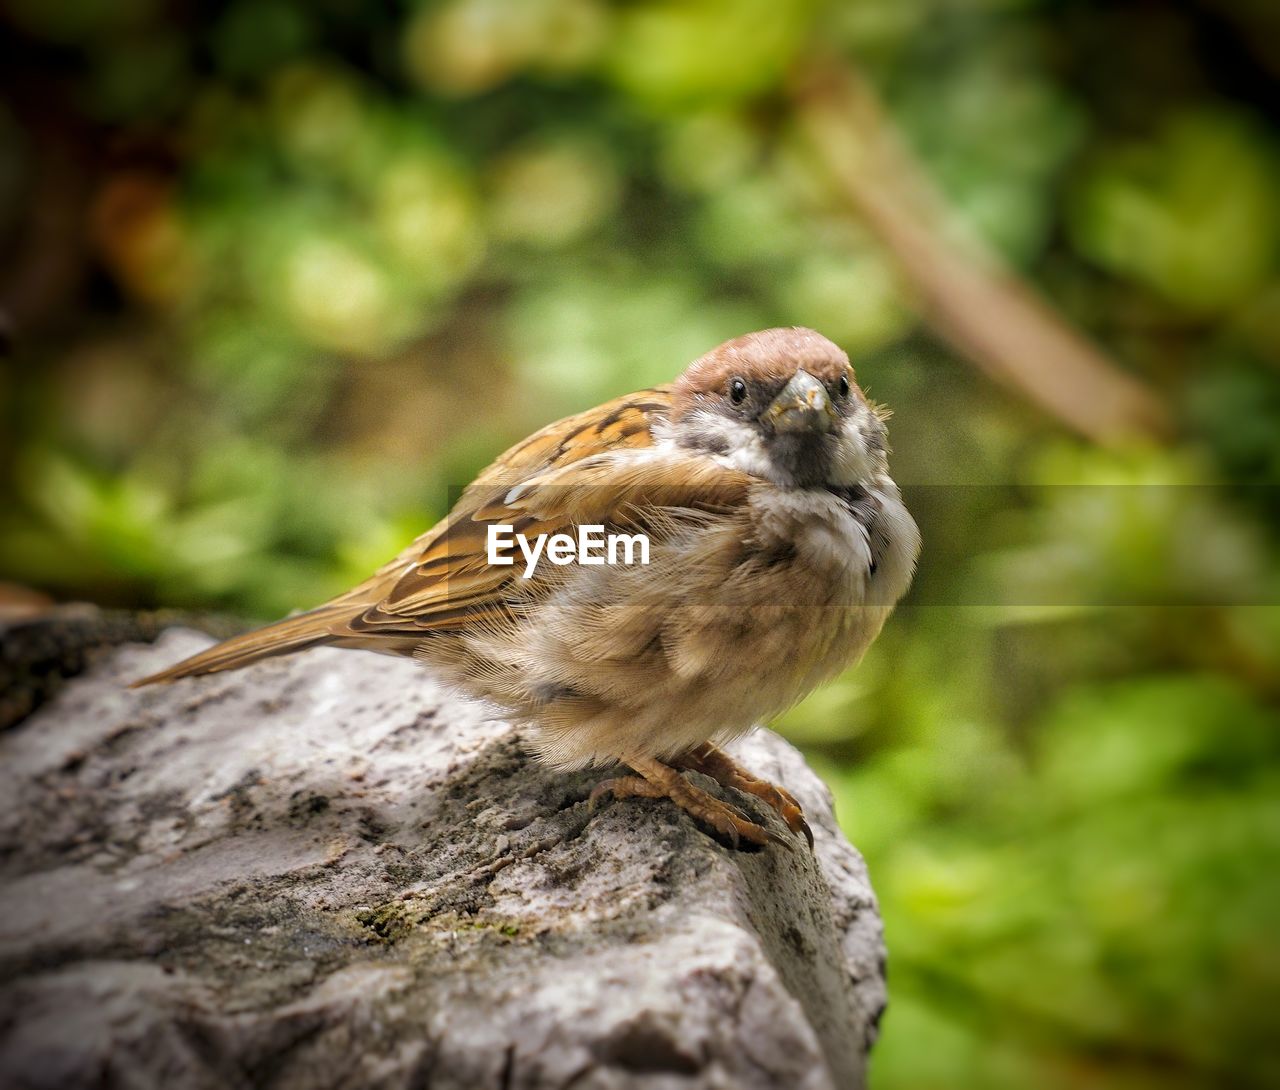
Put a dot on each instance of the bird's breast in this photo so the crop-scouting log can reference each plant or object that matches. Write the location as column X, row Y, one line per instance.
column 830, row 541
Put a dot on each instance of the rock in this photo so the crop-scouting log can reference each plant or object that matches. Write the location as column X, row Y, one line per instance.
column 326, row 871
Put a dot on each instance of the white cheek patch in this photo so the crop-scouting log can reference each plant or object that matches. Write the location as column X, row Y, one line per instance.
column 734, row 443
column 853, row 463
column 750, row 456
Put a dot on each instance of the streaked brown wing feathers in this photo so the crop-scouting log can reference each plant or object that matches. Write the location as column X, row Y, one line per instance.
column 559, row 478
column 623, row 422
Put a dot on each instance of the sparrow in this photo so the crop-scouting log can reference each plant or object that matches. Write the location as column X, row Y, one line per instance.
column 778, row 546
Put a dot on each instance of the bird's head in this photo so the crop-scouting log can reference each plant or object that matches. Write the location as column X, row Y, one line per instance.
column 781, row 404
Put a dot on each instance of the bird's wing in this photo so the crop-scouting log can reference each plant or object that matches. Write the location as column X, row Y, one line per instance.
column 624, row 422
column 553, row 480
column 602, row 467
column 589, row 469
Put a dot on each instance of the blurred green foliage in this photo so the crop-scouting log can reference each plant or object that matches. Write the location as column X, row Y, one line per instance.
column 279, row 274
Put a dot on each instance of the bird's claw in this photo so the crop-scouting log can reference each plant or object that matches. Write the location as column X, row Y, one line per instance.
column 660, row 781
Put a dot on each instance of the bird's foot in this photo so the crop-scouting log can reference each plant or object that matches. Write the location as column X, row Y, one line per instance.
column 714, row 762
column 659, row 781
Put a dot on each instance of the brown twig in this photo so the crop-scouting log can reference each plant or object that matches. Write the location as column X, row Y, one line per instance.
column 992, row 317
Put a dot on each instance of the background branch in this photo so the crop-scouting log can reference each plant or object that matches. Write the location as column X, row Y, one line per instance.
column 991, row 316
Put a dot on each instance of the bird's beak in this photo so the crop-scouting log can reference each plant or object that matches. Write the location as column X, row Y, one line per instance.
column 803, row 405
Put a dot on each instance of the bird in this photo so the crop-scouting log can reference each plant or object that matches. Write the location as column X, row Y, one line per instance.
column 777, row 546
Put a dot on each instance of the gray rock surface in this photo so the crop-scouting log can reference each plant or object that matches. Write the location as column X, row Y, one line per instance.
column 325, row 871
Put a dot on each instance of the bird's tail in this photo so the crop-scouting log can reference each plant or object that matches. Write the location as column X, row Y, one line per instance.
column 282, row 638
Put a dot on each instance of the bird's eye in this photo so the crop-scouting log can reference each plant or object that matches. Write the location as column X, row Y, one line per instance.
column 737, row 391
column 843, row 387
